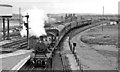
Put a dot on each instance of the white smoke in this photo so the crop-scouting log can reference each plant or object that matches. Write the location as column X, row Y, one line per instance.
column 36, row 19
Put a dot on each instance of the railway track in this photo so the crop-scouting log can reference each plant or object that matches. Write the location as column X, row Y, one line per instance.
column 8, row 45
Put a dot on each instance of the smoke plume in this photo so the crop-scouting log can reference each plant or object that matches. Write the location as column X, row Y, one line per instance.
column 36, row 19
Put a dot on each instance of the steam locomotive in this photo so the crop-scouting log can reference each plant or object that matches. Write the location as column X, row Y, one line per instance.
column 44, row 48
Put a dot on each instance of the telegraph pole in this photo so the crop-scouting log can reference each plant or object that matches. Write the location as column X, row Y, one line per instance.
column 19, row 16
column 103, row 17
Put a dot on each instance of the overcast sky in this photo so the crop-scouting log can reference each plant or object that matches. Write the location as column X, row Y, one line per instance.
column 66, row 6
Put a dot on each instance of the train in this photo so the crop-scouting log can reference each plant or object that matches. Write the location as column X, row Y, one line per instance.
column 46, row 45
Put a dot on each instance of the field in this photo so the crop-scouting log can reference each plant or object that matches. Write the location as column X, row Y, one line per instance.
column 107, row 36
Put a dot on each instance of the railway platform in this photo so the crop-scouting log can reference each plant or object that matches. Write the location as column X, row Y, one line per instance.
column 12, row 61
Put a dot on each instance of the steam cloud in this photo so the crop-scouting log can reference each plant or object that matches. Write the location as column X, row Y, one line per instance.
column 36, row 20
